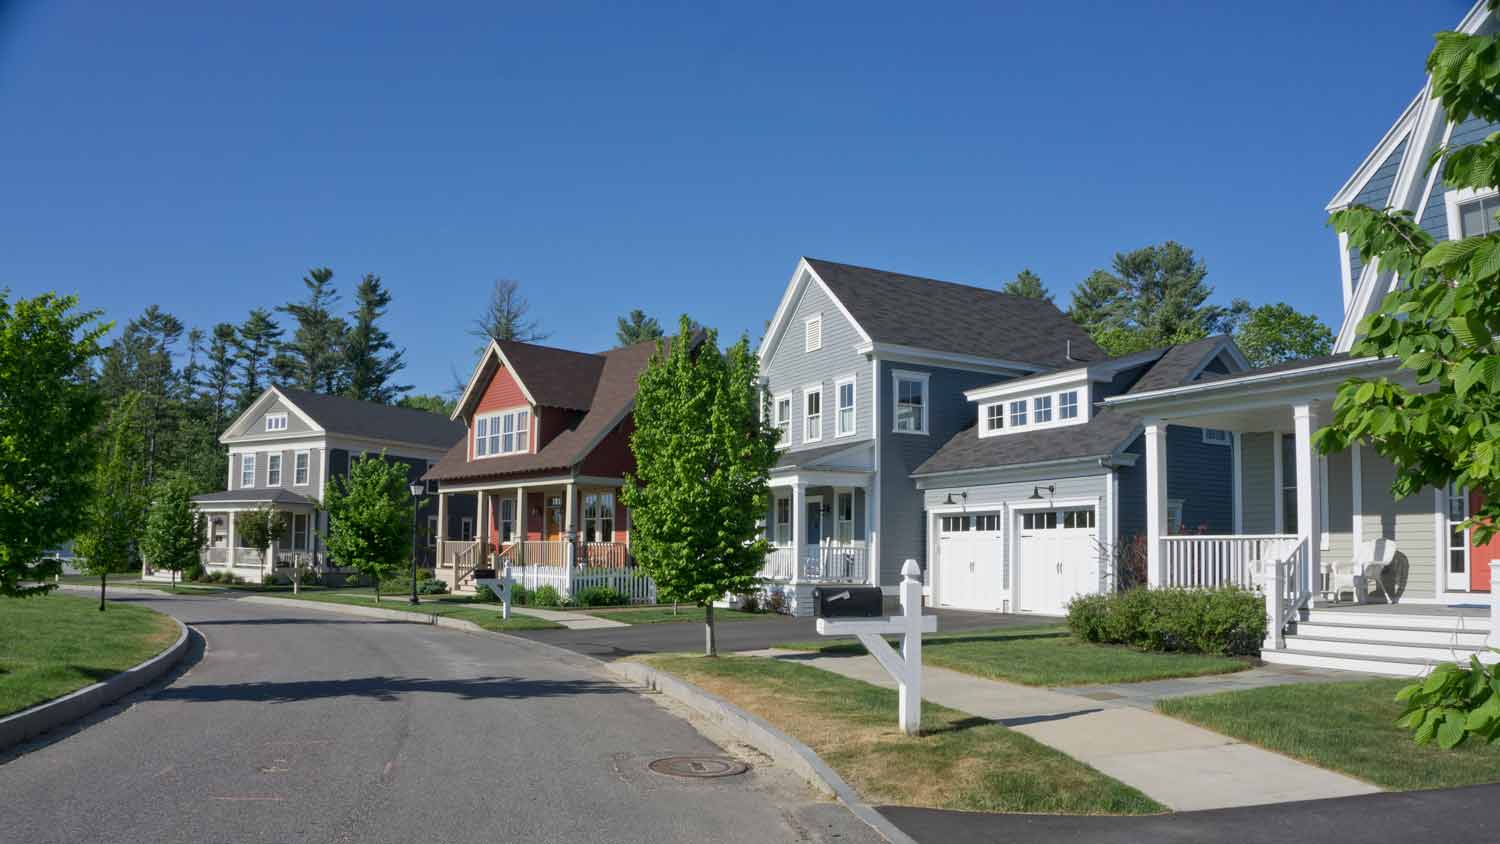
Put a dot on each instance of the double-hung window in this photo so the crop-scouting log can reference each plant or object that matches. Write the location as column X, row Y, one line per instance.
column 911, row 403
column 599, row 517
column 273, row 470
column 782, row 419
column 783, row 527
column 432, row 531
column 507, row 520
column 994, row 417
column 812, row 414
column 1043, row 407
column 1067, row 405
column 247, row 471
column 502, row 433
column 300, row 468
column 1018, row 413
column 846, row 418
column 1478, row 217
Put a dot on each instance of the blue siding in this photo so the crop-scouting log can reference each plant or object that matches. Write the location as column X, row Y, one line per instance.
column 1377, row 192
column 1199, row 473
column 1434, row 217
column 790, row 368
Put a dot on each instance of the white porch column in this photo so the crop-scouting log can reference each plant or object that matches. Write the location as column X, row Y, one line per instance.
column 482, row 528
column 570, row 534
column 442, row 530
column 799, row 504
column 1156, row 498
column 871, row 562
column 1493, row 640
column 1309, row 499
column 520, row 536
column 230, row 555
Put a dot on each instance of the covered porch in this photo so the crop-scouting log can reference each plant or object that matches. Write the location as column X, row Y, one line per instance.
column 567, row 524
column 299, row 544
column 821, row 523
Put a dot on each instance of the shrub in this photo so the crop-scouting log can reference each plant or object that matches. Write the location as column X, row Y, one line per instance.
column 546, row 596
column 431, row 587
column 1231, row 622
column 750, row 602
column 601, row 596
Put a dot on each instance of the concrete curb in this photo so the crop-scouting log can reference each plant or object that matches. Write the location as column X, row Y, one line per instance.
column 30, row 723
column 766, row 738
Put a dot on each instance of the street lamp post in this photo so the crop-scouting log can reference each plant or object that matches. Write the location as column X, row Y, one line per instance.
column 416, row 493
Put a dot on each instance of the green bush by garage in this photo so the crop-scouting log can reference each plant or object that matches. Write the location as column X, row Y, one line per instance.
column 1229, row 622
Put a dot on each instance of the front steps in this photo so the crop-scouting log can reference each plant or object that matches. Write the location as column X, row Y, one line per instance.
column 1395, row 644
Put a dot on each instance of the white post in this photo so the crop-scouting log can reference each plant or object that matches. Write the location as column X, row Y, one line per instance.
column 799, row 504
column 1274, row 583
column 872, row 565
column 1309, row 498
column 1493, row 640
column 482, row 529
column 442, row 530
column 570, row 532
column 520, row 536
column 230, row 555
column 505, row 595
column 1156, row 498
column 910, row 708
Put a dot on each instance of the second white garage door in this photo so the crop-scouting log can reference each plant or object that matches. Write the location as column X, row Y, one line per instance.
column 1058, row 558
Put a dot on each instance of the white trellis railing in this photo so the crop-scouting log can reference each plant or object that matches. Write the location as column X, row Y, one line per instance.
column 1206, row 562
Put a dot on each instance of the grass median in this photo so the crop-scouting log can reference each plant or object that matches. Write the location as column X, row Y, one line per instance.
column 1046, row 656
column 667, row 615
column 1347, row 727
column 959, row 762
column 56, row 644
column 484, row 615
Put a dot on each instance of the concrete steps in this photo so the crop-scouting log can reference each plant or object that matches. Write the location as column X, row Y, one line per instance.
column 1396, row 644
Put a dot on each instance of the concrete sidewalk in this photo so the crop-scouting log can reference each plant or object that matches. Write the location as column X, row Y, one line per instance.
column 570, row 620
column 1177, row 764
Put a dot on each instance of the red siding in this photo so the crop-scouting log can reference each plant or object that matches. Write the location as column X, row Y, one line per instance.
column 1480, row 555
column 501, row 393
column 612, row 457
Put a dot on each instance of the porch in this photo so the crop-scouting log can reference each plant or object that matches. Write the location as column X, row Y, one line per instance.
column 819, row 525
column 297, row 545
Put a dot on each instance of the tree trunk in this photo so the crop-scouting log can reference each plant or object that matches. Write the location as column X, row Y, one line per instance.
column 102, row 579
column 174, row 580
column 710, row 641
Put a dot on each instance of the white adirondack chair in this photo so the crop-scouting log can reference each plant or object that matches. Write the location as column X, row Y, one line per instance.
column 1361, row 577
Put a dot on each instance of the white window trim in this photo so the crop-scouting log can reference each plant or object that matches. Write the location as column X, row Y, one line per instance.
column 277, row 417
column 1030, row 400
column 786, row 440
column 808, row 325
column 247, row 462
column 1174, row 525
column 838, row 494
column 1228, row 437
column 789, row 524
column 1454, row 198
column 466, row 525
column 984, row 418
column 304, row 455
column 492, row 418
column 808, row 435
column 1037, row 408
column 1077, row 406
column 838, row 409
column 432, row 486
column 273, row 464
column 899, row 375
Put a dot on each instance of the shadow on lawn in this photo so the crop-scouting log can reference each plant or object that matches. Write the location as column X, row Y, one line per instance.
column 391, row 689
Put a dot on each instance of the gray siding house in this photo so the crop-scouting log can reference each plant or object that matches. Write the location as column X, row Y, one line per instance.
column 285, row 447
column 865, row 372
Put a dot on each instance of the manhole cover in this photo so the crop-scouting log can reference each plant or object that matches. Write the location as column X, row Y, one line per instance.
column 698, row 766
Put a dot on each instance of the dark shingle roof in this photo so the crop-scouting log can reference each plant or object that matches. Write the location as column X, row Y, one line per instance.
column 556, row 377
column 807, row 456
column 1178, row 363
column 339, row 415
column 942, row 316
column 253, row 496
column 1285, row 366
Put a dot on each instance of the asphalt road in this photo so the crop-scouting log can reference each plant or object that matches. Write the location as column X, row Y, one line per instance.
column 303, row 725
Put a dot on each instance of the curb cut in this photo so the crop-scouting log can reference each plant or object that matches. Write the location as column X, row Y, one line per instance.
column 30, row 723
column 768, row 739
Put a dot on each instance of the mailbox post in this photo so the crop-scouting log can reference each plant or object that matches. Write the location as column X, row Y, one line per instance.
column 905, row 669
column 500, row 586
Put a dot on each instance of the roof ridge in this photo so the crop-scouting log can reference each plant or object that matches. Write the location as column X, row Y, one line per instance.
column 548, row 348
column 930, row 280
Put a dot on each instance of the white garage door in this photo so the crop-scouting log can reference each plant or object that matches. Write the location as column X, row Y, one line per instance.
column 971, row 571
column 1058, row 559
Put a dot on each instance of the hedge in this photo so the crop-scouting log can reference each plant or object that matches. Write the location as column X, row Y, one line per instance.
column 1228, row 621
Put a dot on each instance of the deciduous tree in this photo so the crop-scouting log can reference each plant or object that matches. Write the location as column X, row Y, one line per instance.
column 258, row 529
column 703, row 456
column 111, row 523
column 369, row 518
column 175, row 533
column 48, row 410
column 1272, row 334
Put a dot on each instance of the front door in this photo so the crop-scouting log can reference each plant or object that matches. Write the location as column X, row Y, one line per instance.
column 552, row 520
column 814, row 521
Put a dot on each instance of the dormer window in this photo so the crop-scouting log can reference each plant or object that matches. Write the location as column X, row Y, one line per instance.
column 1018, row 414
column 275, row 421
column 1043, row 407
column 497, row 434
column 994, row 417
column 1067, row 405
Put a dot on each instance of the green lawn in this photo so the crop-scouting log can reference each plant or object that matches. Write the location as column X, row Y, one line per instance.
column 1047, row 656
column 55, row 644
column 660, row 615
column 133, row 581
column 960, row 762
column 484, row 615
column 1346, row 727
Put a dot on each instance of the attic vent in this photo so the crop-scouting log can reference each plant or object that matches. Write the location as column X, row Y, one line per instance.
column 814, row 333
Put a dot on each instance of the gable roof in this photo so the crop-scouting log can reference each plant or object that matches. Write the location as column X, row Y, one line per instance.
column 340, row 415
column 926, row 313
column 611, row 378
column 548, row 376
column 1107, row 432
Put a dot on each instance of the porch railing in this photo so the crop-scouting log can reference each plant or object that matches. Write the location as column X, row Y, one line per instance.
column 534, row 553
column 827, row 563
column 465, row 560
column 781, row 564
column 611, row 555
column 1206, row 562
column 630, row 582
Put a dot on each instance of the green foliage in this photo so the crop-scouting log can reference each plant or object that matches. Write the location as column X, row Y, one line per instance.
column 1272, row 334
column 312, row 359
column 47, row 414
column 506, row 316
column 440, row 405
column 175, row 532
column 425, row 586
column 255, row 348
column 1156, row 296
column 111, row 523
column 369, row 517
column 259, row 528
column 1028, row 284
column 600, row 596
column 1440, row 322
column 546, row 596
column 370, row 358
column 1453, row 703
column 703, row 456
column 1228, row 622
column 637, row 328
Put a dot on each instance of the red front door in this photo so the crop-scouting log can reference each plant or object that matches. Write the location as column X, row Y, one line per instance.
column 1480, row 555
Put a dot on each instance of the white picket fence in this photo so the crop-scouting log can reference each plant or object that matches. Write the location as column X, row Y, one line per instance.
column 631, row 582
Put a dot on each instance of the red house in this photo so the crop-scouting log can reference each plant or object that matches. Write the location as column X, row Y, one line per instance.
column 546, row 448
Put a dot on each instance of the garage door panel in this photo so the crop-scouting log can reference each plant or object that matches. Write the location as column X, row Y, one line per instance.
column 1057, row 558
column 971, row 565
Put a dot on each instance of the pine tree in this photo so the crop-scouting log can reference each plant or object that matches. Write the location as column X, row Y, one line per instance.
column 505, row 317
column 1156, row 296
column 1028, row 284
column 218, row 375
column 371, row 359
column 314, row 357
column 255, row 345
column 637, row 328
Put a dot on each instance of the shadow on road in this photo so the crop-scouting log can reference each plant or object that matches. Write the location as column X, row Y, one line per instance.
column 391, row 689
column 234, row 622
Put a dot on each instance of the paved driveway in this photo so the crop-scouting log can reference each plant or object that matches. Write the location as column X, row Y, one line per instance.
column 303, row 725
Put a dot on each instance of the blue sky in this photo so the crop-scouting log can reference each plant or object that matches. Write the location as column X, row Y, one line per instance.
column 202, row 156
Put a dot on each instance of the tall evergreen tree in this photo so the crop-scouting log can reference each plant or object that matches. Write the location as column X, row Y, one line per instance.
column 637, row 328
column 1155, row 296
column 314, row 357
column 506, row 316
column 255, row 346
column 218, row 374
column 1028, row 284
column 371, row 359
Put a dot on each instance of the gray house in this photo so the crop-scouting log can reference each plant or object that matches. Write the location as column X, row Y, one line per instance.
column 865, row 374
column 285, row 447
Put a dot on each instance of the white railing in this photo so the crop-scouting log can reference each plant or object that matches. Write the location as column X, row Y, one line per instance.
column 1284, row 584
column 465, row 560
column 535, row 553
column 1205, row 562
column 827, row 563
column 247, row 558
column 630, row 582
column 216, row 555
column 608, row 555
